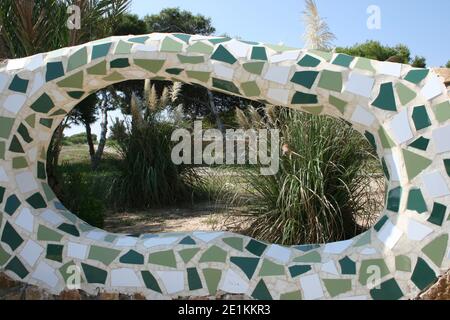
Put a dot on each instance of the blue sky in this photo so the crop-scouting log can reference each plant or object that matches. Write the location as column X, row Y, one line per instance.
column 421, row 25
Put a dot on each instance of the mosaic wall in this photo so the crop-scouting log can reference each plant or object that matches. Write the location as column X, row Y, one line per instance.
column 403, row 112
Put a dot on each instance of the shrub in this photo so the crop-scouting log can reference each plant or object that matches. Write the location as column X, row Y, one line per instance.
column 79, row 138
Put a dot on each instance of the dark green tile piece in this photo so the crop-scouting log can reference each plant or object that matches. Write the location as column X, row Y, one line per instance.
column 305, row 78
column 6, row 125
column 420, row 118
column 46, row 122
column 269, row 268
column 132, row 257
column 256, row 247
column 222, row 54
column 421, row 143
column 225, row 85
column 235, row 242
column 423, row 275
column 447, row 166
column 386, row 98
column 60, row 112
column 416, row 201
column 219, row 40
column 348, row 266
column 37, row 201
column 75, row 94
column 175, row 71
column 388, row 290
column 297, row 270
column 403, row 263
column 12, row 204
column 247, row 265
column 336, row 287
column 70, row 229
column 212, row 278
column 54, row 70
column 308, row 61
column 94, row 274
column 103, row 254
column 261, row 292
column 100, row 50
column 214, row 254
column 163, row 258
column 150, row 281
column 436, row 249
column 393, row 200
column 194, row 281
column 371, row 138
column 23, row 131
column 18, row 84
column 11, row 237
column 343, row 60
column 259, row 53
column 140, row 40
column 41, row 174
column 416, row 76
column 380, row 223
column 120, row 63
column 2, row 194
column 254, row 67
column 17, row 267
column 15, row 145
column 304, row 98
column 187, row 254
column 54, row 252
column 43, row 104
column 438, row 214
column 331, row 80
column 47, row 234
column 188, row 241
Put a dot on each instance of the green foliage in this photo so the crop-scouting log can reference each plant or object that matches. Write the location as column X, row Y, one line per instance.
column 448, row 64
column 130, row 24
column 79, row 138
column 419, row 62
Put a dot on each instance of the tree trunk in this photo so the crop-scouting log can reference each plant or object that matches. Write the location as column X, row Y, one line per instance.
column 89, row 141
column 214, row 111
column 102, row 141
column 54, row 150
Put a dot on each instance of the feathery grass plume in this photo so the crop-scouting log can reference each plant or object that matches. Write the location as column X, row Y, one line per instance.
column 242, row 119
column 271, row 114
column 136, row 115
column 153, row 101
column 175, row 91
column 164, row 101
column 317, row 32
column 255, row 118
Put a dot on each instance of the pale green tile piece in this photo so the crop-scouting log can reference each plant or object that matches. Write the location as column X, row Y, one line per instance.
column 73, row 81
column 254, row 67
column 163, row 258
column 336, row 287
column 235, row 242
column 279, row 48
column 187, row 254
column 190, row 59
column 403, row 263
column 110, row 238
column 115, row 76
column 19, row 163
column 338, row 103
column 414, row 163
column 364, row 239
column 49, row 194
column 66, row 272
column 212, row 278
column 331, row 80
column 84, row 227
column 405, row 94
column 4, row 257
column 123, row 47
column 150, row 64
column 293, row 295
column 98, row 69
column 102, row 254
column 78, row 59
column 436, row 249
column 442, row 111
column 251, row 89
column 323, row 54
column 214, row 254
column 2, row 150
column 200, row 47
column 47, row 234
column 316, row 110
column 170, row 45
column 310, row 257
column 364, row 64
column 270, row 268
column 202, row 76
column 6, row 125
column 370, row 268
column 386, row 141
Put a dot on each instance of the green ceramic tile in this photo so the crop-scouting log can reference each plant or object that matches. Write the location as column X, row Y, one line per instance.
column 200, row 47
column 119, row 63
column 54, row 70
column 187, row 254
column 386, row 140
column 100, row 50
column 16, row 266
column 2, row 150
column 4, row 256
column 403, row 263
column 123, row 47
column 377, row 227
column 94, row 274
column 323, row 54
column 259, row 53
column 388, row 290
column 163, row 258
column 310, row 257
column 212, row 278
column 15, row 146
column 6, row 125
column 219, row 40
column 151, row 65
column 47, row 234
column 54, row 252
column 364, row 239
column 46, row 122
column 364, row 64
column 316, row 110
column 304, row 98
column 11, row 237
column 225, row 85
column 436, row 249
column 67, row 270
column 48, row 192
column 43, row 104
column 194, row 281
column 78, row 59
column 308, row 61
column 348, row 266
column 98, row 69
column 23, row 131
column 421, row 144
column 371, row 138
column 74, row 95
column 298, row 270
column 190, row 59
column 370, row 268
column 235, row 242
column 420, row 118
column 256, row 247
column 114, row 77
column 70, row 229
column 18, row 84
column 343, row 60
column 214, row 254
column 250, row 89
column 254, row 67
column 37, row 201
column 170, row 45
column 386, row 98
column 261, row 292
column 2, row 194
column 423, row 275
column 338, row 103
column 279, row 47
column 150, row 281
column 331, row 80
column 188, row 241
column 305, row 78
column 247, row 265
column 415, row 163
column 132, row 257
column 140, row 40
column 102, row 254
column 336, row 287
column 416, row 202
column 437, row 214
column 447, row 166
column 222, row 54
column 442, row 111
column 73, row 81
column 175, row 71
column 202, row 76
column 394, row 197
column 12, row 204
column 405, row 94
column 293, row 295
column 416, row 76
column 269, row 268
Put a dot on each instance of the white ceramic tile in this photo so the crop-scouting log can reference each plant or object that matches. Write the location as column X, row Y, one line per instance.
column 154, row 242
column 46, row 274
column 337, row 247
column 277, row 74
column 441, row 139
column 126, row 242
column 144, row 48
column 285, row 56
column 52, row 217
column 96, row 234
column 26, row 182
column 330, row 267
column 363, row 116
column 368, row 251
column 14, row 102
column 389, row 68
column 15, row 64
column 278, row 253
column 3, row 175
column 359, row 84
column 233, row 283
column 31, row 252
column 237, row 48
column 389, row 234
column 207, row 236
column 278, row 95
column 35, row 62
column 435, row 184
column 25, row 219
column 417, row 231
column 4, row 79
column 76, row 250
column 311, row 286
column 433, row 87
column 38, row 82
column 124, row 277
column 400, row 128
column 393, row 162
column 173, row 280
column 223, row 71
